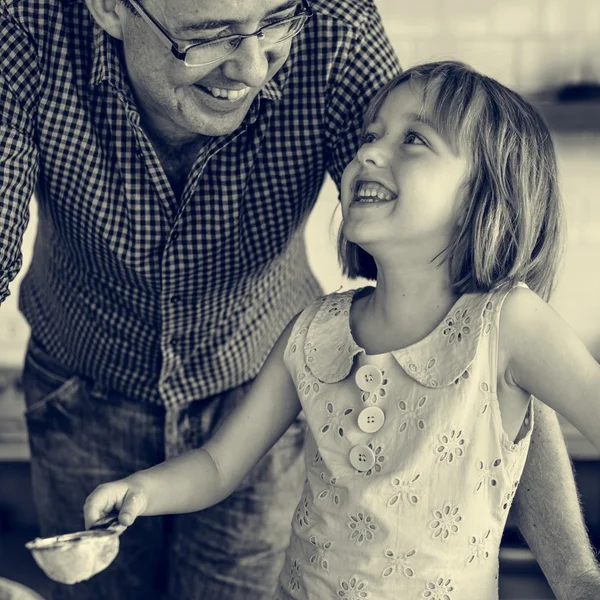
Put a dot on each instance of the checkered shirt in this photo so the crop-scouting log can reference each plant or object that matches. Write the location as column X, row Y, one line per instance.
column 163, row 299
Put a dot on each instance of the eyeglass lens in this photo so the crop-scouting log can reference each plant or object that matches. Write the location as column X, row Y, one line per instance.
column 271, row 34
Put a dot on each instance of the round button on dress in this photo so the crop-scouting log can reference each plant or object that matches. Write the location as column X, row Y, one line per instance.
column 362, row 458
column 371, row 419
column 368, row 378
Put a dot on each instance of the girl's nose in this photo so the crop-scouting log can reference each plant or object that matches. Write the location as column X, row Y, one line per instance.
column 372, row 154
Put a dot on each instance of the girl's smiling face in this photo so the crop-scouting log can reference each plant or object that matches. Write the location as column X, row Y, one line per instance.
column 404, row 188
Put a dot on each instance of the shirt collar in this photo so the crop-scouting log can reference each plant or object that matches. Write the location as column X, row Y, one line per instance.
column 106, row 63
column 437, row 360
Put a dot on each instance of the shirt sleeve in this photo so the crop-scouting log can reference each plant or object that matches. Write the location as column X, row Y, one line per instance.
column 365, row 63
column 18, row 150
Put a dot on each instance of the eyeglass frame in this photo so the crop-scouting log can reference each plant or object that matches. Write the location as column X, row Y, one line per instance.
column 180, row 53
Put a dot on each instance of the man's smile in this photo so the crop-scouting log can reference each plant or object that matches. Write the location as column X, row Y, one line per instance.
column 226, row 93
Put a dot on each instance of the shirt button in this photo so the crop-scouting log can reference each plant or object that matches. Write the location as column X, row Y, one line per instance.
column 371, row 419
column 368, row 378
column 362, row 458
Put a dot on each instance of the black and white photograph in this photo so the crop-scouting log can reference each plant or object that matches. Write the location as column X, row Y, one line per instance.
column 299, row 300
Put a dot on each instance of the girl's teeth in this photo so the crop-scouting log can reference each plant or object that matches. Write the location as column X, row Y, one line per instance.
column 231, row 95
column 371, row 192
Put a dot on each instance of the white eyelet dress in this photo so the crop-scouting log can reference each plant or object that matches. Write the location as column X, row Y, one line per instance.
column 409, row 473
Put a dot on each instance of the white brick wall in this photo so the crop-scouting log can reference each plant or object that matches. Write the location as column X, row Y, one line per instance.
column 527, row 44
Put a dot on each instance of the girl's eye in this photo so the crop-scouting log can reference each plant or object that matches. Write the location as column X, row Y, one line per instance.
column 412, row 137
column 367, row 138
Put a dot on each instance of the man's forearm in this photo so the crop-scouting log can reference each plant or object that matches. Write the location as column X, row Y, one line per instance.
column 548, row 513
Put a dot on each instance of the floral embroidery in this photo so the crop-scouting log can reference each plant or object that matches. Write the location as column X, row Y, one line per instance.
column 340, row 307
column 331, row 491
column 405, row 491
column 451, row 446
column 346, row 348
column 294, row 344
column 478, row 548
column 488, row 474
column 439, row 589
column 457, row 326
column 363, row 528
column 379, row 460
column 353, row 588
column 335, row 419
column 379, row 392
column 320, row 555
column 510, row 495
column 484, row 388
column 422, row 374
column 487, row 317
column 465, row 375
column 309, row 352
column 306, row 382
column 445, row 522
column 411, row 414
column 317, row 459
column 399, row 564
column 302, row 513
column 295, row 574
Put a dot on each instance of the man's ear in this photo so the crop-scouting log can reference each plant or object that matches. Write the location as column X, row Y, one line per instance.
column 107, row 14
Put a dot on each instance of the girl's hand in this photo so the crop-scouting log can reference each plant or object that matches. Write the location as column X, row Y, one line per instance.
column 125, row 496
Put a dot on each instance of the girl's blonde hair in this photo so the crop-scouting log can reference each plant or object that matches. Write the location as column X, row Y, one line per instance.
column 513, row 223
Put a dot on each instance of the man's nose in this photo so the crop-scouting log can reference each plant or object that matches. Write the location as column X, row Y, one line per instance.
column 248, row 64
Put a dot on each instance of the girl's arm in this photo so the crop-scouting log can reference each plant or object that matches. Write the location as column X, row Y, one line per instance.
column 200, row 478
column 546, row 358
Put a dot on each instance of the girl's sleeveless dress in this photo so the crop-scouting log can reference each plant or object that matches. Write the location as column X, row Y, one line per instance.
column 409, row 473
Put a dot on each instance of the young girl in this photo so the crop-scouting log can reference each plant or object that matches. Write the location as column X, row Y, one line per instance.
column 417, row 392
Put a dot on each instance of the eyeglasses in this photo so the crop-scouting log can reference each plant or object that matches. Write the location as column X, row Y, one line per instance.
column 210, row 51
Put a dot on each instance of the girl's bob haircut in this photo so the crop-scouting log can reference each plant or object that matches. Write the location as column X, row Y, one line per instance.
column 512, row 228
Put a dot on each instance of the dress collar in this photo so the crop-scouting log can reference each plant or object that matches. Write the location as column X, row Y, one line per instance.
column 437, row 360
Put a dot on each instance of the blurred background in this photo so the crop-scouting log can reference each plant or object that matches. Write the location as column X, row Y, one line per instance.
column 548, row 50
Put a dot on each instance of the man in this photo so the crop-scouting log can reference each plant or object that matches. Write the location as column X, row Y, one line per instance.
column 176, row 148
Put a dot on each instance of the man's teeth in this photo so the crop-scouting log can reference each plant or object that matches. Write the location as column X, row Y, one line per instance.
column 229, row 94
column 371, row 192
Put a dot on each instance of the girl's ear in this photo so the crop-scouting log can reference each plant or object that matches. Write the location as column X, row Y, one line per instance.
column 107, row 14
